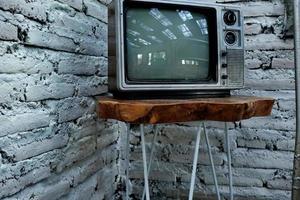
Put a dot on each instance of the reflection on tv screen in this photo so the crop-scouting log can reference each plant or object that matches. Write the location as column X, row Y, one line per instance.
column 166, row 45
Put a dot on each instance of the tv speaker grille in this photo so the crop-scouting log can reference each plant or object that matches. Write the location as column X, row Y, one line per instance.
column 235, row 63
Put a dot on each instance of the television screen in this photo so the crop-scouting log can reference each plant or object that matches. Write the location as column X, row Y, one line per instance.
column 170, row 44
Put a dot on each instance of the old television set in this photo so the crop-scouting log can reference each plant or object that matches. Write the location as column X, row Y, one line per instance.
column 174, row 48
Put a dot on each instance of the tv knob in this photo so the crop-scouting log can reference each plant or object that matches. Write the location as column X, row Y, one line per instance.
column 230, row 38
column 224, row 53
column 229, row 18
column 224, row 65
column 224, row 76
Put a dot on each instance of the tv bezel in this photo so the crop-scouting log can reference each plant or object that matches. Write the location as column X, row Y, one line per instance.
column 117, row 73
column 210, row 13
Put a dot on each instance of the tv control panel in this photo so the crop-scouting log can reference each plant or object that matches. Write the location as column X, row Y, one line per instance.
column 232, row 53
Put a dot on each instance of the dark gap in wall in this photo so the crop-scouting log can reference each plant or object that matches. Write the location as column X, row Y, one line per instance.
column 265, row 184
column 7, row 159
column 22, row 34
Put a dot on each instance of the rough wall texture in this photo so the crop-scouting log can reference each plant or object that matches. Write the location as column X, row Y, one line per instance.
column 53, row 57
column 262, row 148
column 53, row 65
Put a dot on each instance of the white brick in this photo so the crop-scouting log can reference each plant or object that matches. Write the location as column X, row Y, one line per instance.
column 283, row 63
column 65, row 25
column 286, row 105
column 106, row 139
column 31, row 9
column 77, row 4
column 44, row 190
column 82, row 65
column 258, row 144
column 86, row 190
column 92, row 86
column 52, row 91
column 183, row 154
column 62, row 183
column 23, row 122
column 267, row 42
column 154, row 175
column 73, row 108
column 202, row 192
column 262, row 159
column 20, row 175
column 12, row 87
column 209, row 124
column 286, row 145
column 270, row 84
column 245, row 177
column 96, row 9
column 258, row 193
column 253, row 63
column 106, row 2
column 106, row 183
column 25, row 64
column 172, row 134
column 265, row 74
column 55, row 191
column 253, row 29
column 13, row 185
column 281, row 184
column 261, row 139
column 90, row 165
column 3, row 47
column 77, row 151
column 79, row 131
column 30, row 145
column 270, row 123
column 8, row 31
column 94, row 47
column 95, row 187
column 254, row 9
column 272, row 24
column 50, row 40
column 279, row 95
column 5, row 91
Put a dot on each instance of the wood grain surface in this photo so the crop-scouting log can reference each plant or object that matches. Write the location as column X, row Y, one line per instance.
column 227, row 109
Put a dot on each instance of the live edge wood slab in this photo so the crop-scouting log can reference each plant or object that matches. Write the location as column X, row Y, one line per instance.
column 227, row 109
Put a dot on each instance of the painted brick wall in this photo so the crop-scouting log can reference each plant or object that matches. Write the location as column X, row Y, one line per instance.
column 262, row 147
column 53, row 64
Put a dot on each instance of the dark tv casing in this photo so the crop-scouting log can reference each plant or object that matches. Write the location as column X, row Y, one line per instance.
column 229, row 59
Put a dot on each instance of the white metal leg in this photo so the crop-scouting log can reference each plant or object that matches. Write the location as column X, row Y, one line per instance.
column 229, row 161
column 211, row 161
column 127, row 160
column 151, row 155
column 196, row 154
column 145, row 163
column 195, row 161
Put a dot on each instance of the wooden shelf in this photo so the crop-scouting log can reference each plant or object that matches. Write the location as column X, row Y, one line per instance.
column 227, row 109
